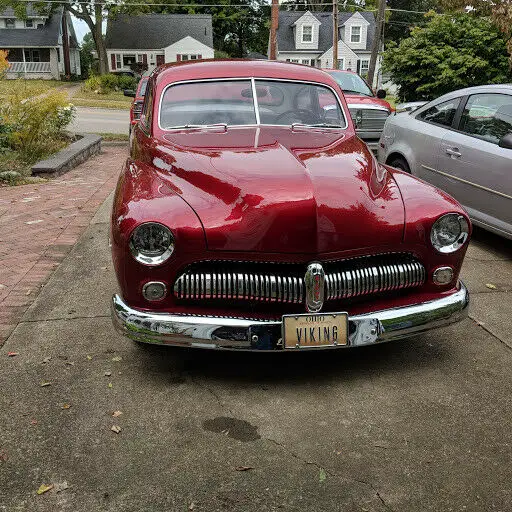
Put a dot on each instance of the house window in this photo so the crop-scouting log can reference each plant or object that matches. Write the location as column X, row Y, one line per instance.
column 341, row 63
column 128, row 60
column 295, row 61
column 32, row 56
column 365, row 64
column 118, row 61
column 29, row 23
column 307, row 33
column 188, row 56
column 355, row 34
column 10, row 23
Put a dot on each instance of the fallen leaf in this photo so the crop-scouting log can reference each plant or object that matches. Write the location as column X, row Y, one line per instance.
column 110, row 385
column 491, row 286
column 45, row 384
column 66, row 406
column 116, row 359
column 44, row 488
column 322, row 475
column 243, row 468
column 28, row 292
column 115, row 428
column 337, row 452
column 108, row 374
column 33, row 422
column 62, row 486
column 116, row 414
column 46, row 360
column 12, row 354
column 3, row 457
column 104, row 268
column 192, row 506
column 70, row 363
column 89, row 357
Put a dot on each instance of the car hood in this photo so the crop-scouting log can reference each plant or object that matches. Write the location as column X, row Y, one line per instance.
column 283, row 190
column 360, row 99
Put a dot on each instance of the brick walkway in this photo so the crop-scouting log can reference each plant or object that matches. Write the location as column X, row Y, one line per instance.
column 39, row 224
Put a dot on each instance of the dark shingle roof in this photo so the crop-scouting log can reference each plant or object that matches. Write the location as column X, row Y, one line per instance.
column 156, row 31
column 41, row 37
column 286, row 39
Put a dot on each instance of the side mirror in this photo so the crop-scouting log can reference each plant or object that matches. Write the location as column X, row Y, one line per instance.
column 381, row 94
column 506, row 141
column 129, row 92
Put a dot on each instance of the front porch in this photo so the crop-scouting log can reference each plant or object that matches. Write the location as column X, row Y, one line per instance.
column 41, row 63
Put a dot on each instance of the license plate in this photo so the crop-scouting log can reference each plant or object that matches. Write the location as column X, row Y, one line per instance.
column 315, row 330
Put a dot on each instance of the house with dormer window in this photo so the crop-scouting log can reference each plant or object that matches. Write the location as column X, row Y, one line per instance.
column 306, row 38
column 42, row 45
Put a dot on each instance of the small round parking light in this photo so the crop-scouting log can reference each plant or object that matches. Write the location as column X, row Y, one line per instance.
column 442, row 275
column 154, row 290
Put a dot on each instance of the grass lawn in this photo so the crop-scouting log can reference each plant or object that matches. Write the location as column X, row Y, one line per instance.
column 114, row 137
column 31, row 86
column 115, row 99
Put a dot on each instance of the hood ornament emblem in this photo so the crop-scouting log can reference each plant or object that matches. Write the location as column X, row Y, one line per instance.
column 314, row 279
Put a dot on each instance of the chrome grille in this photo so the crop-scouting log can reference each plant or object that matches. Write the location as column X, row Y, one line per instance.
column 284, row 283
column 370, row 119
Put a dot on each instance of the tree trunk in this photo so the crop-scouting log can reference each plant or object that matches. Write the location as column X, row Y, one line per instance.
column 98, row 39
column 376, row 41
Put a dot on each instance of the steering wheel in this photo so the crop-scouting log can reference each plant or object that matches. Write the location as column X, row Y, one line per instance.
column 299, row 115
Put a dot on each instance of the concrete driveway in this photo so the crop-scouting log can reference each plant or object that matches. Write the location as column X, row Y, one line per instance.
column 419, row 425
column 101, row 120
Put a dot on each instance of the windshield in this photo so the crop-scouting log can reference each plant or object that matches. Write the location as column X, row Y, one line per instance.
column 230, row 102
column 351, row 83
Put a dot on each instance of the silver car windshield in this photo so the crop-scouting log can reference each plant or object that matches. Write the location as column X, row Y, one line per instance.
column 231, row 103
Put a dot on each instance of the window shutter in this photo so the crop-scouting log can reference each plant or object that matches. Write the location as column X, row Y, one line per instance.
column 178, row 57
column 113, row 60
column 199, row 56
column 145, row 59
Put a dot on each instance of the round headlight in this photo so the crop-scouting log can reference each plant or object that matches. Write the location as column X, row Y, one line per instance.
column 151, row 243
column 449, row 233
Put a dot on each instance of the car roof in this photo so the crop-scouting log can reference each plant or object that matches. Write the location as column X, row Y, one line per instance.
column 238, row 68
column 478, row 89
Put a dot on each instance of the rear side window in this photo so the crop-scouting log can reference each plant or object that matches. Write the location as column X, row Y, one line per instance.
column 487, row 116
column 442, row 113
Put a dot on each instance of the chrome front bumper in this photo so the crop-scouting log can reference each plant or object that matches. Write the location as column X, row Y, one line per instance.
column 235, row 333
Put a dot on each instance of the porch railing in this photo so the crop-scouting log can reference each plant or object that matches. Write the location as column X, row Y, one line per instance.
column 29, row 67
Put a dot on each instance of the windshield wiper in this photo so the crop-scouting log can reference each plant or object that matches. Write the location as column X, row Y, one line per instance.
column 357, row 92
column 192, row 126
column 315, row 125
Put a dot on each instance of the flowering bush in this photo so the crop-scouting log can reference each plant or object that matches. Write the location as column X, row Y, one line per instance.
column 65, row 116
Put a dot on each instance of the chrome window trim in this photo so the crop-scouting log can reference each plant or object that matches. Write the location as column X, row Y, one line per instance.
column 367, row 106
column 253, row 80
column 467, row 182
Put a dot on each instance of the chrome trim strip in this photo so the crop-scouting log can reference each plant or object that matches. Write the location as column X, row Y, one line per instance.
column 247, row 334
column 506, row 196
column 367, row 106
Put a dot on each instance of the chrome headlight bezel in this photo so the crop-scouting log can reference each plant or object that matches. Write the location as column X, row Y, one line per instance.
column 151, row 257
column 459, row 238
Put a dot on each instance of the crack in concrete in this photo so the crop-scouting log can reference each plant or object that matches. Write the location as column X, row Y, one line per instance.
column 60, row 319
column 327, row 471
column 482, row 325
column 211, row 391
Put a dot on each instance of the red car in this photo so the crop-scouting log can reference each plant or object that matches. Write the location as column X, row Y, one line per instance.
column 138, row 100
column 369, row 111
column 247, row 216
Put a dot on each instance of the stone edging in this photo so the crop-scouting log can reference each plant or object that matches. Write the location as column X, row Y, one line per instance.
column 68, row 158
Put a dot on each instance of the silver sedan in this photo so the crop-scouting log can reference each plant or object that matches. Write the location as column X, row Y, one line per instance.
column 461, row 143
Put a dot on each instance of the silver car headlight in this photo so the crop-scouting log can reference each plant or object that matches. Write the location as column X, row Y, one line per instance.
column 151, row 243
column 449, row 233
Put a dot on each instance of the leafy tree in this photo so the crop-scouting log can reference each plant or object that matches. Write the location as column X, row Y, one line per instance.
column 86, row 58
column 399, row 23
column 450, row 52
column 4, row 64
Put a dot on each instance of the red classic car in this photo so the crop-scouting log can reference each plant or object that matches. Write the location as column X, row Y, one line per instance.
column 247, row 216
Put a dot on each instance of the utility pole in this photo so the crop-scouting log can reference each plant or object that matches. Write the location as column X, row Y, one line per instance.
column 379, row 29
column 335, row 34
column 274, row 25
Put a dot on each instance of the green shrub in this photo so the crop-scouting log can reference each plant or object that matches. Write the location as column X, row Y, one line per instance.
column 92, row 83
column 108, row 82
column 126, row 82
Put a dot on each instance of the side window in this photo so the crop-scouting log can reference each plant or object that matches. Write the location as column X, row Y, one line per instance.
column 147, row 109
column 442, row 113
column 487, row 116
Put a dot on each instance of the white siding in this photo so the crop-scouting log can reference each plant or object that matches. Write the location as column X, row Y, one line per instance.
column 187, row 46
column 299, row 57
column 344, row 53
column 356, row 21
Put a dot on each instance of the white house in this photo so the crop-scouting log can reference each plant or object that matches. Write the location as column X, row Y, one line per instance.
column 43, row 45
column 155, row 39
column 306, row 38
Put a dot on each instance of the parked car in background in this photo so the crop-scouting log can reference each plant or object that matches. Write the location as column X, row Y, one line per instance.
column 249, row 217
column 369, row 111
column 138, row 100
column 461, row 143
